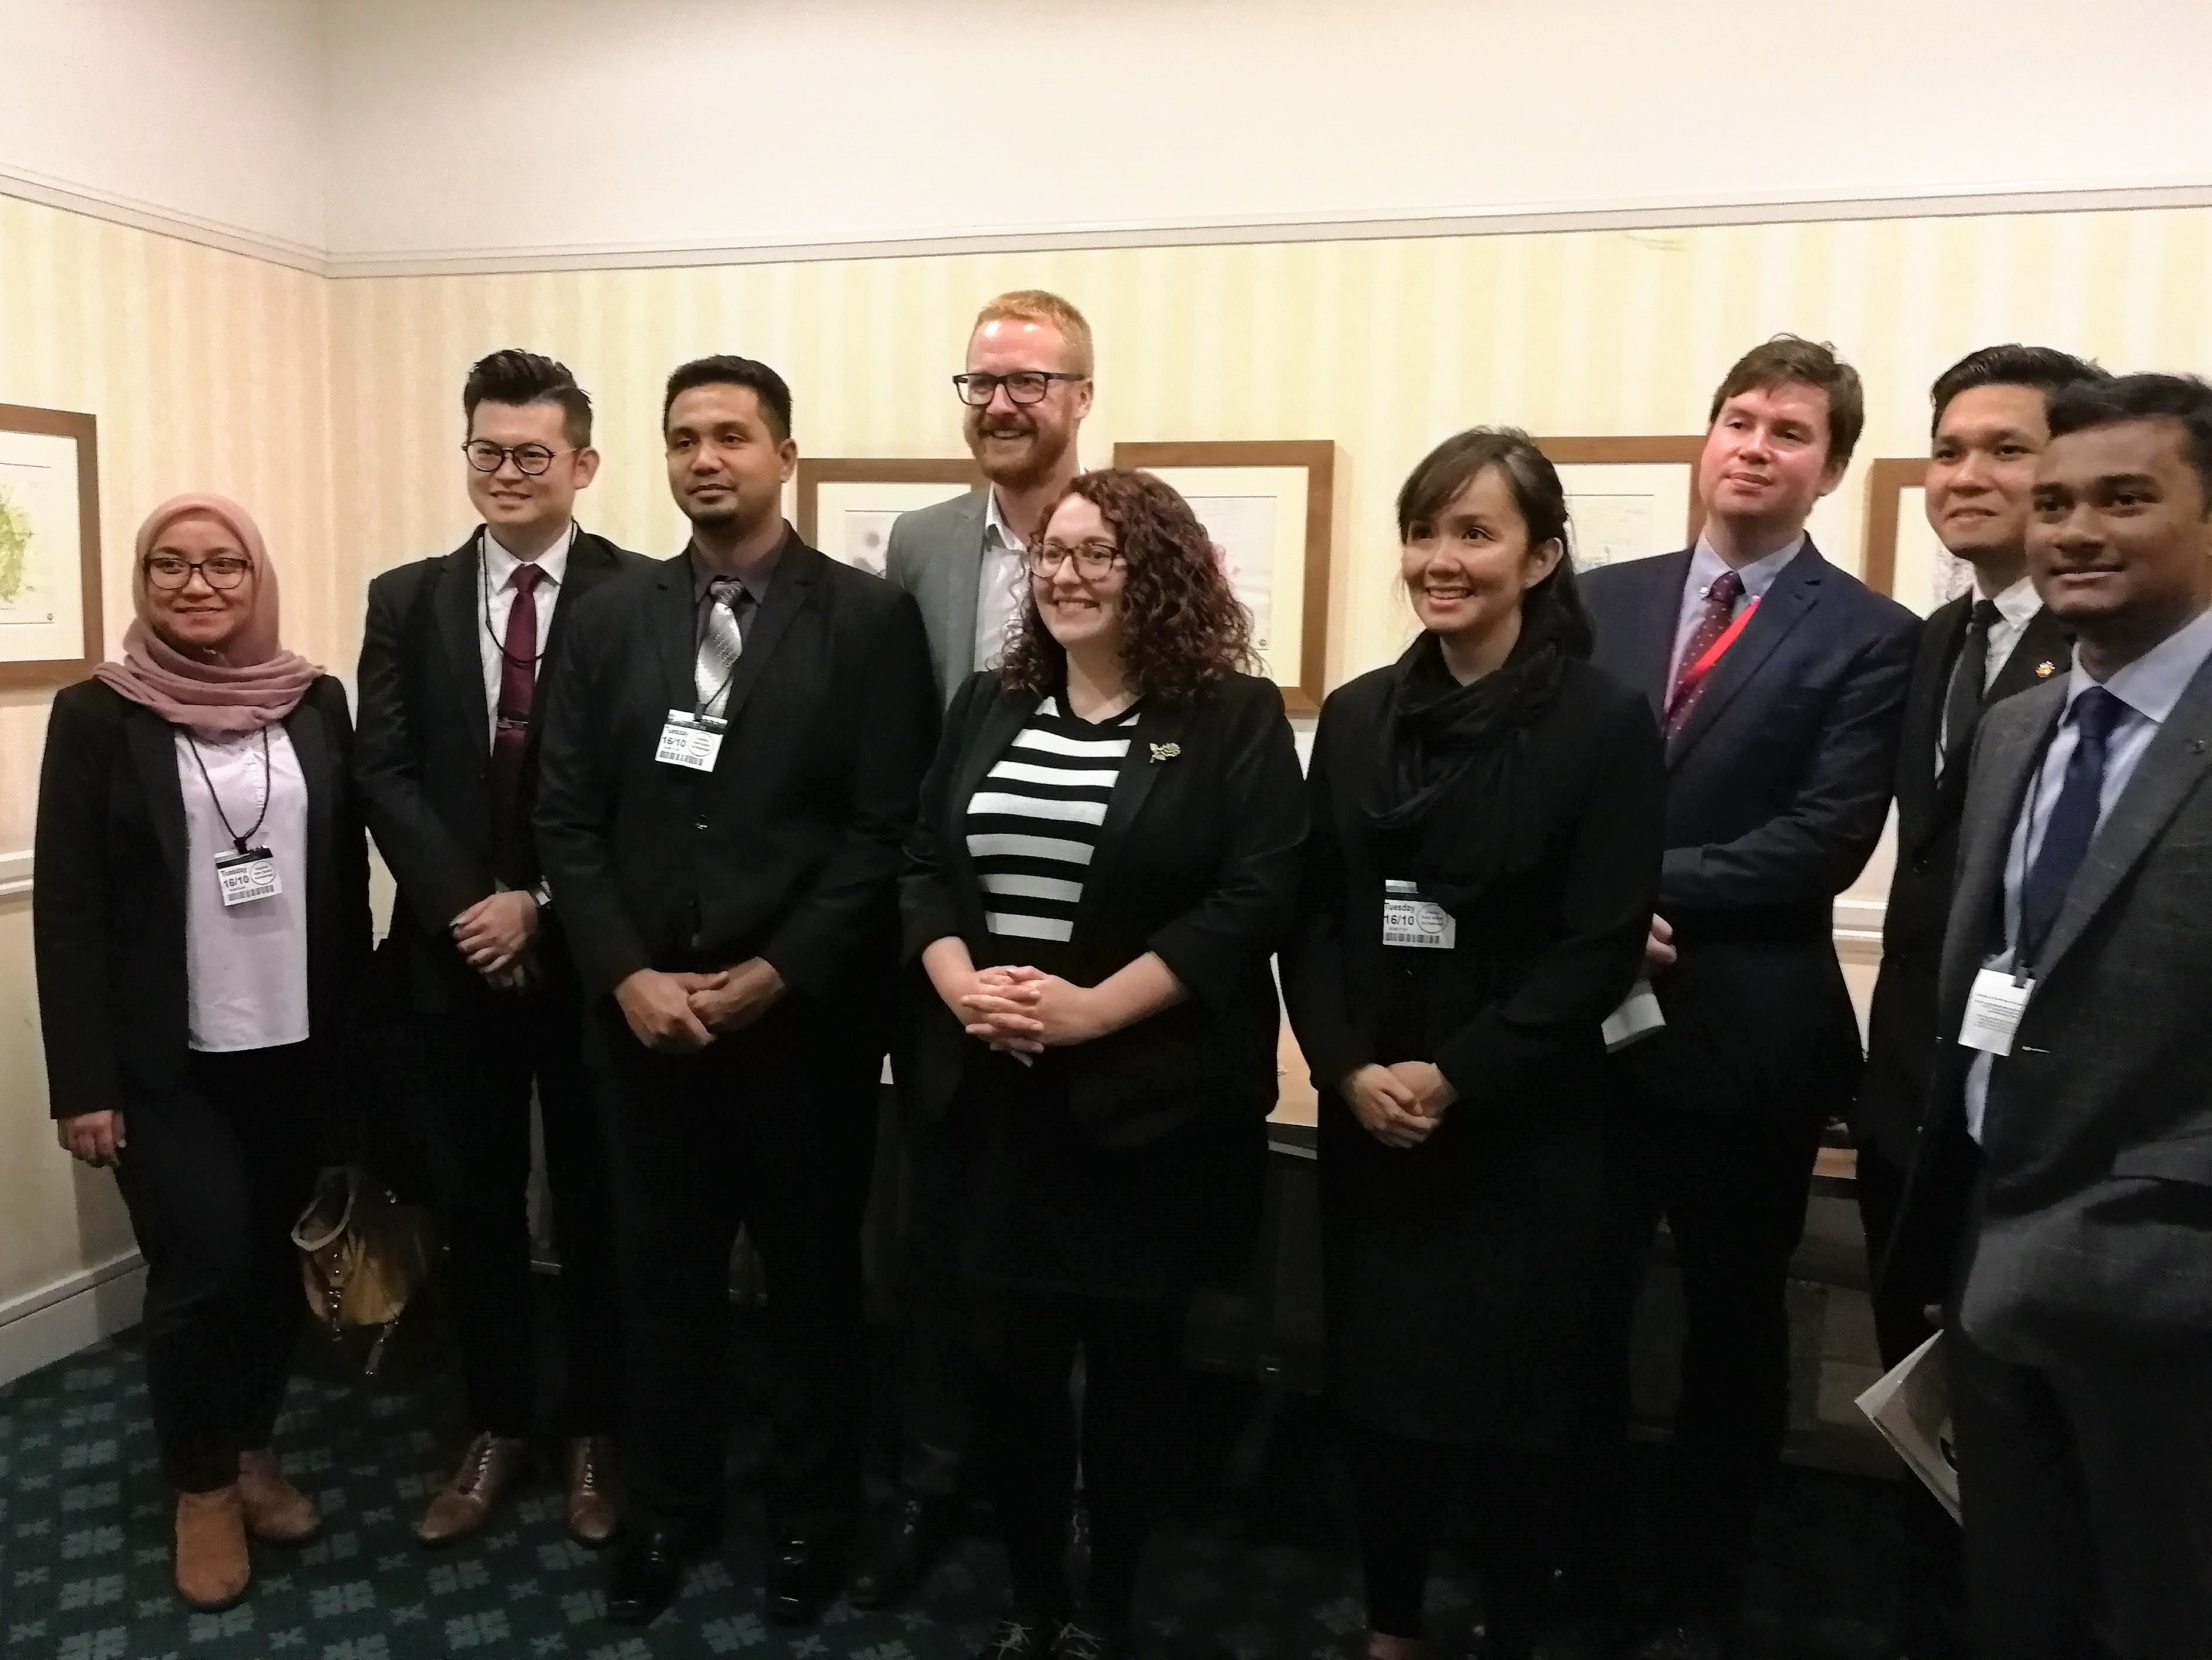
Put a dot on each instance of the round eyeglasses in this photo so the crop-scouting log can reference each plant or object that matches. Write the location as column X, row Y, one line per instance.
column 530, row 459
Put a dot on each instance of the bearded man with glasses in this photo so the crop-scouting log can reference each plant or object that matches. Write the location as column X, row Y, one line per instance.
column 456, row 658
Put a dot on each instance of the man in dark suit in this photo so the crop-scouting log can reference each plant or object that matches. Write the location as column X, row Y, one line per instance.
column 1025, row 391
column 2061, row 1202
column 457, row 656
column 731, row 763
column 1979, row 649
column 1778, row 681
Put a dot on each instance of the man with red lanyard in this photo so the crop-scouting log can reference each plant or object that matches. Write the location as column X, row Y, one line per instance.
column 1778, row 680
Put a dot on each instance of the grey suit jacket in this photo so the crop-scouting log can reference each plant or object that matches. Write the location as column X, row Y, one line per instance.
column 936, row 554
column 2085, row 1219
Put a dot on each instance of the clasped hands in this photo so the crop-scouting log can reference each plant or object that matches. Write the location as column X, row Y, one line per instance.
column 679, row 1013
column 1024, row 1011
column 494, row 935
column 1400, row 1105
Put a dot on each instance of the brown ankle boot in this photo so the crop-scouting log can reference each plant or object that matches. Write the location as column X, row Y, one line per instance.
column 213, row 1568
column 277, row 1513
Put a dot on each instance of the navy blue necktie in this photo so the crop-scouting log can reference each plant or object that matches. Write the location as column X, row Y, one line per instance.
column 2073, row 822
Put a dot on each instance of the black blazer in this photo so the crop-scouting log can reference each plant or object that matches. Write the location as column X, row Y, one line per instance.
column 1197, row 860
column 423, row 756
column 789, row 850
column 1901, row 1036
column 1777, row 792
column 108, row 906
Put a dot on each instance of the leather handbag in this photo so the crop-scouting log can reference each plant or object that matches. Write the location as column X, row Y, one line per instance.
column 362, row 1254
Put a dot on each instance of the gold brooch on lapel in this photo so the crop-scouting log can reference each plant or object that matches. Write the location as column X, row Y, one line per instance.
column 2045, row 670
column 1166, row 751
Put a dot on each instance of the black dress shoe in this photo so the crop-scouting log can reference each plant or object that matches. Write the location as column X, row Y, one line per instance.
column 647, row 1568
column 804, row 1577
column 911, row 1539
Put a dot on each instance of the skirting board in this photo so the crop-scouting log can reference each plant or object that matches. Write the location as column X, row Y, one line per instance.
column 74, row 1312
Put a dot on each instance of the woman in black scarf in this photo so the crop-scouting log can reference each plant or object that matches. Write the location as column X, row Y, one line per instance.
column 1482, row 868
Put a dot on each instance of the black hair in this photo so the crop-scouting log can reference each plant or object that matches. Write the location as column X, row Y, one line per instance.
column 2185, row 399
column 2045, row 368
column 521, row 378
column 1445, row 471
column 728, row 371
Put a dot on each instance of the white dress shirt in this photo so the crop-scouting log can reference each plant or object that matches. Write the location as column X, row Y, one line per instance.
column 998, row 585
column 246, row 966
column 2149, row 687
column 1705, row 567
column 2017, row 606
column 495, row 603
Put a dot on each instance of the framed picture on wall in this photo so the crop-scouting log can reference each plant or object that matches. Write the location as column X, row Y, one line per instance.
column 846, row 508
column 50, row 618
column 1628, row 497
column 1270, row 506
column 1904, row 559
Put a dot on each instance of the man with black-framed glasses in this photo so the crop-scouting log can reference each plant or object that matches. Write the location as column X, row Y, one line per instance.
column 1023, row 392
column 456, row 656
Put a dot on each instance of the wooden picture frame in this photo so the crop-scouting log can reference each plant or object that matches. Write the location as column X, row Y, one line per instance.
column 866, row 495
column 1264, row 474
column 1904, row 559
column 49, row 547
column 1644, row 534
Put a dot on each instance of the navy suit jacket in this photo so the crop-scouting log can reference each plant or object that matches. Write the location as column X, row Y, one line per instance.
column 1778, row 789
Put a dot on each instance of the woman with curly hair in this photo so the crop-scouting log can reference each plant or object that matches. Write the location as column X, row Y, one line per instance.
column 1107, row 854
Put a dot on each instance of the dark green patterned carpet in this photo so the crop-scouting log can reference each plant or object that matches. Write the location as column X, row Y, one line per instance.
column 1266, row 1574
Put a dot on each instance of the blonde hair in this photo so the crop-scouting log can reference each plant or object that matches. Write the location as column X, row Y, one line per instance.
column 1036, row 306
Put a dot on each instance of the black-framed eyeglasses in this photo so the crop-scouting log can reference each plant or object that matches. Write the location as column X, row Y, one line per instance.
column 1093, row 560
column 221, row 571
column 1023, row 386
column 530, row 459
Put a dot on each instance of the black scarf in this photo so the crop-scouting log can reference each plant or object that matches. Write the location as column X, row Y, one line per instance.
column 1448, row 801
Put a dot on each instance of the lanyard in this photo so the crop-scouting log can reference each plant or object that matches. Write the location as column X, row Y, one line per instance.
column 1695, row 675
column 236, row 840
column 483, row 582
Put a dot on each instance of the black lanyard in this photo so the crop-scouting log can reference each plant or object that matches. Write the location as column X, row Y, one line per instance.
column 236, row 840
column 483, row 581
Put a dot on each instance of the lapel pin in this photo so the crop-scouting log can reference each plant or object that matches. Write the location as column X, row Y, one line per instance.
column 1166, row 751
column 2045, row 670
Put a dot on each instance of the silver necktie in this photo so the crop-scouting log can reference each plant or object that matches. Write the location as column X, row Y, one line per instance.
column 719, row 646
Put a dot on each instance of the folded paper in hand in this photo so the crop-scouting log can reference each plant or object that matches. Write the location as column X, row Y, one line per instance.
column 1911, row 1408
column 1638, row 1016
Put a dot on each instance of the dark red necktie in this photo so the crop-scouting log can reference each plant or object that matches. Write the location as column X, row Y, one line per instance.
column 1690, row 676
column 518, row 684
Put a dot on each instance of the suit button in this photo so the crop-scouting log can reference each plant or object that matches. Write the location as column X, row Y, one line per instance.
column 1921, row 862
column 698, row 823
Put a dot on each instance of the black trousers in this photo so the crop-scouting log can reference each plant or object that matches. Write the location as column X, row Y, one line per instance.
column 2086, row 1494
column 935, row 1370
column 1931, row 1620
column 214, row 1176
column 476, row 1072
column 1733, row 1193
column 1133, row 1439
column 769, row 1129
column 1515, row 1500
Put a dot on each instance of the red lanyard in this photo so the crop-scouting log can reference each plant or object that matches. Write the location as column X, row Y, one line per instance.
column 1694, row 676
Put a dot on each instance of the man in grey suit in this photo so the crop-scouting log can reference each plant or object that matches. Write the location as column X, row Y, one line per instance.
column 2071, row 1117
column 1026, row 389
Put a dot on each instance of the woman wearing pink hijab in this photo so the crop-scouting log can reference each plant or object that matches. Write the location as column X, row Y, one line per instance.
column 201, row 920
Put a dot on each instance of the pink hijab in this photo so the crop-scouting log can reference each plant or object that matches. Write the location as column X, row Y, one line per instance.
column 260, row 684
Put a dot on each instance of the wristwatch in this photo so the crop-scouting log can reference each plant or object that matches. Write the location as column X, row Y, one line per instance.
column 543, row 893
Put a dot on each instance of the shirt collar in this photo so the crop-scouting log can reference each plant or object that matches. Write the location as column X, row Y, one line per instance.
column 998, row 534
column 755, row 577
column 500, row 565
column 1706, row 564
column 2153, row 683
column 2018, row 604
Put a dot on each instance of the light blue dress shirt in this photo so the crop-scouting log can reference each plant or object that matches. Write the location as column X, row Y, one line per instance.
column 1705, row 567
column 2149, row 687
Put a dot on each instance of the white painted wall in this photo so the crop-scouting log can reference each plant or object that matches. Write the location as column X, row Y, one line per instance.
column 502, row 125
column 210, row 112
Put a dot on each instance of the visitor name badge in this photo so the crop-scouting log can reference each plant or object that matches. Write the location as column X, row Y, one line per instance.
column 1410, row 919
column 1994, row 1007
column 247, row 875
column 690, row 740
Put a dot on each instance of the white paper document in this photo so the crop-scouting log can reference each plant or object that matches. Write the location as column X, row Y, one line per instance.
column 1911, row 1408
column 1638, row 1016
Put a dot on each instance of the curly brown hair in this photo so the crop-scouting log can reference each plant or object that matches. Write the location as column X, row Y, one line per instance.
column 1182, row 626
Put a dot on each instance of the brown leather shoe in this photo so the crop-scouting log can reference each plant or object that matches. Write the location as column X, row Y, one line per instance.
column 277, row 1513
column 588, row 1473
column 213, row 1568
column 492, row 1465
